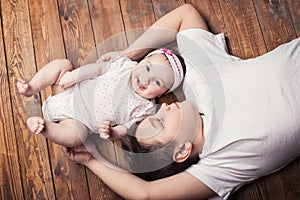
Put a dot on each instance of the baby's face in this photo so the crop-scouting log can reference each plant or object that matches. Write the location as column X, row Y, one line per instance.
column 152, row 77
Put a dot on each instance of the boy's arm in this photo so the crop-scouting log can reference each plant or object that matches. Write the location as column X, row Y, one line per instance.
column 165, row 30
column 129, row 186
column 82, row 73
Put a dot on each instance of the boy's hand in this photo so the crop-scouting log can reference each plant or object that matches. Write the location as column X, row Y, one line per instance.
column 108, row 56
column 78, row 154
column 67, row 80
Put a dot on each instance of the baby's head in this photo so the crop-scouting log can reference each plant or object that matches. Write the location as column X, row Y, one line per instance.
column 158, row 73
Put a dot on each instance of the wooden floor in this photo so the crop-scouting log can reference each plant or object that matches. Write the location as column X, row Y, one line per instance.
column 34, row 32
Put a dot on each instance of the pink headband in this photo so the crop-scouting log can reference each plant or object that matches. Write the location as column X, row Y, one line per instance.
column 175, row 63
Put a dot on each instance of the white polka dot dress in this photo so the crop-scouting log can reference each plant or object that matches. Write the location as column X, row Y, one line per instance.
column 105, row 97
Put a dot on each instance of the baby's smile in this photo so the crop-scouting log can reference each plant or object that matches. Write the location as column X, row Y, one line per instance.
column 140, row 84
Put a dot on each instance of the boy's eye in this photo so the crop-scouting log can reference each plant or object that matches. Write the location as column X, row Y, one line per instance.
column 157, row 82
column 158, row 123
column 161, row 121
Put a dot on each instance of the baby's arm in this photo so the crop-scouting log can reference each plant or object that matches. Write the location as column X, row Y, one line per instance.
column 107, row 131
column 82, row 73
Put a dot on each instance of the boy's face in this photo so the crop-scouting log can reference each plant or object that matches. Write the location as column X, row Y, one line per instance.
column 152, row 77
column 177, row 121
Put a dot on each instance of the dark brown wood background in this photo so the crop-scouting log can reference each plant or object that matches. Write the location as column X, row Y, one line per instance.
column 34, row 32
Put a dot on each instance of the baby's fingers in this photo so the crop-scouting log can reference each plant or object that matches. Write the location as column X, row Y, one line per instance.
column 106, row 122
column 104, row 126
column 103, row 130
column 104, row 136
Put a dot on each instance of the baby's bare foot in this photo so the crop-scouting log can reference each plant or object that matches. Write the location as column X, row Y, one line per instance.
column 24, row 88
column 36, row 124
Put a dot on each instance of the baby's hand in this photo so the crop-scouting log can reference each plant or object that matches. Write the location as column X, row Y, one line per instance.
column 105, row 129
column 67, row 80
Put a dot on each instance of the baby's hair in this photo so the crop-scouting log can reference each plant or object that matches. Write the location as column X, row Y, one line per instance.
column 131, row 144
column 174, row 52
column 175, row 61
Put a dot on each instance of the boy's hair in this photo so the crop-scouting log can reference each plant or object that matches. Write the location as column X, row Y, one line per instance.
column 130, row 143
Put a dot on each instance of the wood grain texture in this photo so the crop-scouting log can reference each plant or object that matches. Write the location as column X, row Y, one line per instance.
column 108, row 27
column 275, row 22
column 211, row 11
column 162, row 7
column 245, row 38
column 49, row 45
column 137, row 16
column 32, row 33
column 294, row 9
column 10, row 183
column 32, row 149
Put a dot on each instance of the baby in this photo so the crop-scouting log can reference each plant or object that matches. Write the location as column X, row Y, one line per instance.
column 120, row 91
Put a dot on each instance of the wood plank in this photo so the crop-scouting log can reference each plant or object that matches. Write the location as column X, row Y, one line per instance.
column 294, row 7
column 275, row 22
column 138, row 16
column 211, row 11
column 79, row 43
column 242, row 28
column 162, row 7
column 107, row 25
column 33, row 154
column 10, row 177
column 109, row 35
column 281, row 185
column 47, row 35
column 77, row 30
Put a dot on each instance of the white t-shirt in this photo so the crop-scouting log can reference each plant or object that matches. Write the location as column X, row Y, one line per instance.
column 251, row 109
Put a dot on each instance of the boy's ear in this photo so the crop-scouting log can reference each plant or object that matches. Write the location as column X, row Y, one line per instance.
column 182, row 152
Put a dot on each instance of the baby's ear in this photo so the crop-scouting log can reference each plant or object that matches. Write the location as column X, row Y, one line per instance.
column 182, row 152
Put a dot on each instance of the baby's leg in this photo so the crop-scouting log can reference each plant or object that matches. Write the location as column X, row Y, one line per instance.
column 49, row 75
column 68, row 132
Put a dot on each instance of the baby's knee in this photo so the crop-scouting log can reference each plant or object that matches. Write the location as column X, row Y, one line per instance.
column 64, row 64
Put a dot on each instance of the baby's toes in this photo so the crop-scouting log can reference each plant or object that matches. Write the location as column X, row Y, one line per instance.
column 36, row 124
column 39, row 129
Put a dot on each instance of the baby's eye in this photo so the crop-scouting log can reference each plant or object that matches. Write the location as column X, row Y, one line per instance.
column 157, row 82
column 147, row 68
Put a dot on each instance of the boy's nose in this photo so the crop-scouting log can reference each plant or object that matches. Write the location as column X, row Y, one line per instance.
column 166, row 106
